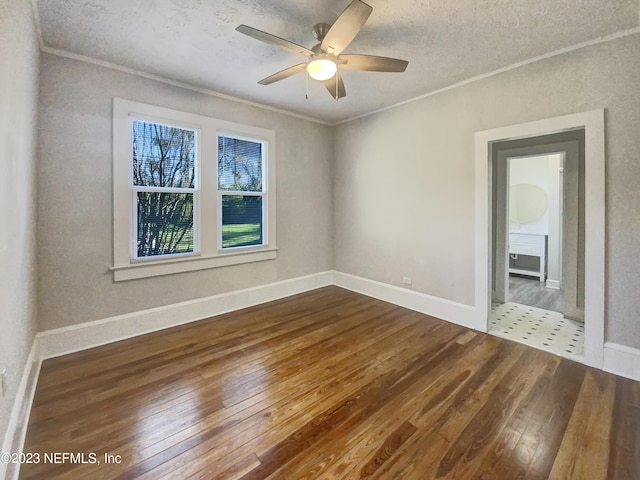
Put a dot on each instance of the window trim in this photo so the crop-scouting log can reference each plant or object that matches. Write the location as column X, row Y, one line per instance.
column 262, row 194
column 207, row 250
column 195, row 191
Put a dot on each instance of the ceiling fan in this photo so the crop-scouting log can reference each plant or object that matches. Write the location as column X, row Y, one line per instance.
column 325, row 59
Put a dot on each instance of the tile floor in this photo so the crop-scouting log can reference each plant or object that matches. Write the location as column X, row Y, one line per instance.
column 542, row 329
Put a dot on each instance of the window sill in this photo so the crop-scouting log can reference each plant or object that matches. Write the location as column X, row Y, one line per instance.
column 188, row 264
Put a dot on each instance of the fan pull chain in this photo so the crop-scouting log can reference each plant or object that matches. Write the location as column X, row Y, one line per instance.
column 306, row 88
column 336, row 75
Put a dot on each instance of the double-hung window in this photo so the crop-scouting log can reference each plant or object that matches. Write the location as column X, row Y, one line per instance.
column 165, row 189
column 240, row 191
column 190, row 192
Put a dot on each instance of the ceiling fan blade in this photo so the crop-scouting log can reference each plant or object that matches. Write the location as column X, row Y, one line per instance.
column 281, row 75
column 346, row 27
column 273, row 40
column 371, row 63
column 331, row 86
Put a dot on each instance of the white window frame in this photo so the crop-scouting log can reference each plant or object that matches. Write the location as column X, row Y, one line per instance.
column 208, row 251
column 262, row 194
column 195, row 191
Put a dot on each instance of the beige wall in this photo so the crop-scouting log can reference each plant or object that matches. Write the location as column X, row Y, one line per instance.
column 19, row 60
column 404, row 178
column 75, row 199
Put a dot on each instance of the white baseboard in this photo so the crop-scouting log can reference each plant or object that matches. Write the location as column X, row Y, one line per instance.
column 622, row 360
column 61, row 341
column 13, row 441
column 453, row 312
column 553, row 284
column 618, row 359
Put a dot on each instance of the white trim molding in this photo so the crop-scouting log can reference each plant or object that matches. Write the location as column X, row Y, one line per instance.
column 622, row 360
column 13, row 441
column 61, row 341
column 165, row 80
column 189, row 264
column 593, row 124
column 207, row 251
column 553, row 284
column 441, row 308
column 493, row 73
column 618, row 359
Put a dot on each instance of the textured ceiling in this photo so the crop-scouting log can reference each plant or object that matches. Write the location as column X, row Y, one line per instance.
column 445, row 42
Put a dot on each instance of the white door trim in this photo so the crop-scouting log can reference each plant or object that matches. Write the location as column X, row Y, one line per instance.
column 593, row 124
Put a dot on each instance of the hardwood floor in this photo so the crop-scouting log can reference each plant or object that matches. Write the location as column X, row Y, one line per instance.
column 331, row 384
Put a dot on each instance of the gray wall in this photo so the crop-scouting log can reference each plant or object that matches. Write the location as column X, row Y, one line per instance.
column 75, row 196
column 404, row 178
column 19, row 61
column 397, row 200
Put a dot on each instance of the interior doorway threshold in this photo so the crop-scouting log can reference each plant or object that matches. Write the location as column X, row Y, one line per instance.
column 542, row 329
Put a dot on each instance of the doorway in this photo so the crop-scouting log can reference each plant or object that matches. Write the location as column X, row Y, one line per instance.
column 535, row 201
column 538, row 248
column 588, row 293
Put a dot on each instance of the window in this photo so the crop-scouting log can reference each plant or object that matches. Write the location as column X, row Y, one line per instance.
column 164, row 161
column 240, row 191
column 190, row 192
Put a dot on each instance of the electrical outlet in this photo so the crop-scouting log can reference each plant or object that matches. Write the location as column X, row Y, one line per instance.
column 406, row 280
column 3, row 380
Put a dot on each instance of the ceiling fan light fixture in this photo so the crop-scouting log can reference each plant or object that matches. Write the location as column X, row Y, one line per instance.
column 322, row 67
column 324, row 58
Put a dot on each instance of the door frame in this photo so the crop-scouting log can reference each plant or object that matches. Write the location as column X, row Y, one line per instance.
column 569, row 148
column 593, row 124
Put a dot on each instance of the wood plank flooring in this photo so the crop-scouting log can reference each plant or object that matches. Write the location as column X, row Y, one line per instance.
column 330, row 384
column 530, row 291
